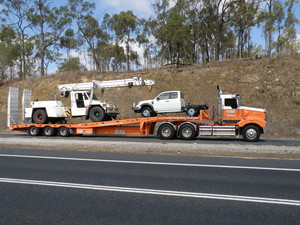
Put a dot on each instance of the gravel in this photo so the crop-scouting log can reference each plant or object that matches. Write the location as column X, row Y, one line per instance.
column 199, row 149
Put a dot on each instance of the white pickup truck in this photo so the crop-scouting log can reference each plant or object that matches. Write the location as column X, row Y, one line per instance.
column 167, row 102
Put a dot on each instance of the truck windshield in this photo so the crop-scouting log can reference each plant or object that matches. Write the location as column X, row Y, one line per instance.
column 89, row 95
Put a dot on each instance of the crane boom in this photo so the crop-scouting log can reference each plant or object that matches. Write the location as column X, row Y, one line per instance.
column 135, row 81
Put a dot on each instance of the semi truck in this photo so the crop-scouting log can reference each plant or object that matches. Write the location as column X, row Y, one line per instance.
column 233, row 119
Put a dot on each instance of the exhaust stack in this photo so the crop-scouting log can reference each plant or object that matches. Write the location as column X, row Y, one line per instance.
column 219, row 111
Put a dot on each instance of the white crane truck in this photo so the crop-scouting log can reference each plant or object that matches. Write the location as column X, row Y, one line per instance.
column 83, row 102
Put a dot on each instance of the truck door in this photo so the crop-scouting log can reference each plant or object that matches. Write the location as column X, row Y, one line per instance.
column 231, row 111
column 161, row 102
column 77, row 105
column 167, row 102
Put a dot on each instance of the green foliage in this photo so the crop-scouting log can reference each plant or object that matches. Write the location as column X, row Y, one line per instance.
column 8, row 51
column 243, row 15
column 180, row 32
column 71, row 64
column 50, row 23
column 124, row 26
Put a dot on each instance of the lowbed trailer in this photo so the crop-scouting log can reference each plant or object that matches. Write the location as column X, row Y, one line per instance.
column 167, row 129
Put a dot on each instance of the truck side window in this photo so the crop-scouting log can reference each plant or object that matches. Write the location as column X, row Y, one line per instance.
column 163, row 96
column 173, row 95
column 79, row 100
column 231, row 102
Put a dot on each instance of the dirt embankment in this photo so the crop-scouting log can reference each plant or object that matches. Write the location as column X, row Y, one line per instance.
column 273, row 84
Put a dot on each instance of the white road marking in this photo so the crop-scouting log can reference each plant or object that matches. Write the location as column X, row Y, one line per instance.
column 152, row 163
column 154, row 192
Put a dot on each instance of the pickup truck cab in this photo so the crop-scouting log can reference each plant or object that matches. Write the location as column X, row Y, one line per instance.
column 166, row 102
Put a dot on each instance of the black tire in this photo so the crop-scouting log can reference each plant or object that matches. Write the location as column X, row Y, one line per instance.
column 49, row 131
column 147, row 112
column 64, row 131
column 187, row 132
column 192, row 111
column 97, row 114
column 166, row 131
column 40, row 116
column 34, row 131
column 251, row 133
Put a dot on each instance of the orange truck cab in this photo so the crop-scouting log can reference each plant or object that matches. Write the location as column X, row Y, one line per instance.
column 251, row 122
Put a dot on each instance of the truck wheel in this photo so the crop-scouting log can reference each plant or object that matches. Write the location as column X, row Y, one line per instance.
column 146, row 111
column 49, row 131
column 64, row 131
column 166, row 131
column 251, row 133
column 97, row 114
column 34, row 131
column 40, row 116
column 187, row 132
column 192, row 111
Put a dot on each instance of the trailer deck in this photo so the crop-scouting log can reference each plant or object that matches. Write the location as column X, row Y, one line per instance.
column 136, row 126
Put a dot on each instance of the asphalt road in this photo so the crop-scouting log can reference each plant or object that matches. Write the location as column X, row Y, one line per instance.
column 77, row 187
column 155, row 139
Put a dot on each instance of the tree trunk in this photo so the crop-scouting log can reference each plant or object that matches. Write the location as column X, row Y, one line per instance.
column 270, row 31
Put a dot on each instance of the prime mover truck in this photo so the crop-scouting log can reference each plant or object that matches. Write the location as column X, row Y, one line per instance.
column 233, row 119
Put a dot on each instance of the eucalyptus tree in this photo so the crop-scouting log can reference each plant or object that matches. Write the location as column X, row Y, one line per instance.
column 157, row 26
column 219, row 13
column 172, row 31
column 279, row 15
column 243, row 16
column 268, row 29
column 192, row 10
column 48, row 23
column 125, row 27
column 289, row 33
column 8, row 52
column 89, row 32
column 15, row 12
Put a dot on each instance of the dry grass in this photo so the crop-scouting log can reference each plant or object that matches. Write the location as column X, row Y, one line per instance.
column 273, row 84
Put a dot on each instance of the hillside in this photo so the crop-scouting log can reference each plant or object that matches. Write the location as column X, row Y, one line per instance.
column 273, row 84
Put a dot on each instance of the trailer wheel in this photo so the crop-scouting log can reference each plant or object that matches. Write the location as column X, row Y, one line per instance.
column 187, row 132
column 251, row 133
column 49, row 131
column 40, row 116
column 34, row 131
column 97, row 114
column 64, row 131
column 192, row 111
column 166, row 131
